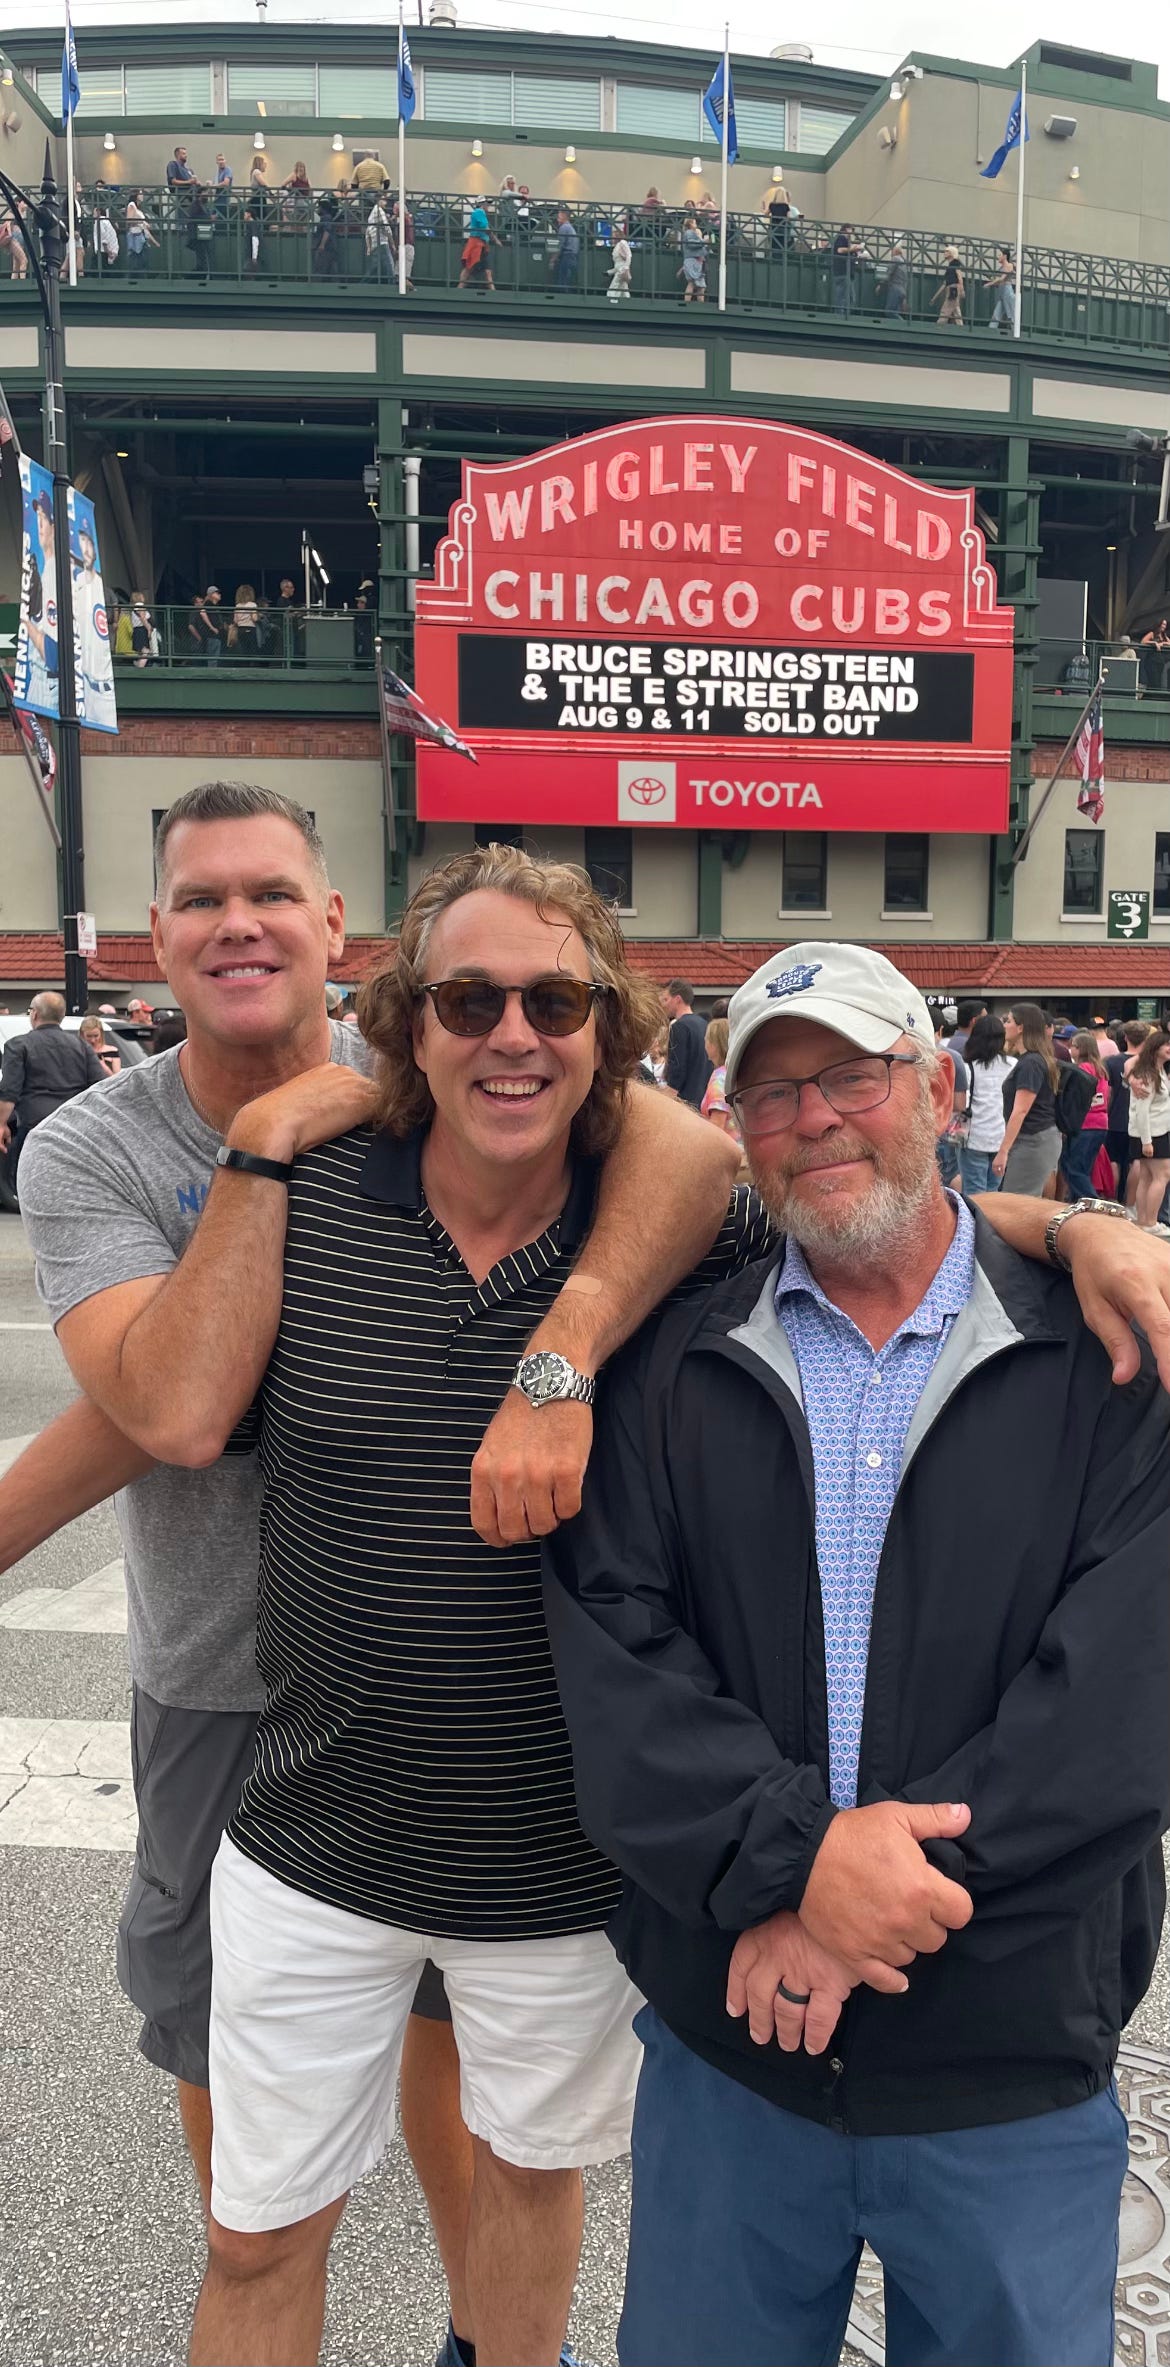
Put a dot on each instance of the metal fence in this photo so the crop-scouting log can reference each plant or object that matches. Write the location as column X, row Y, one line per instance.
column 1128, row 670
column 794, row 267
column 251, row 635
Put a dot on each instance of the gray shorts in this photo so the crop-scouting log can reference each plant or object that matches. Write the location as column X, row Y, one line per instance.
column 189, row 1768
column 1031, row 1160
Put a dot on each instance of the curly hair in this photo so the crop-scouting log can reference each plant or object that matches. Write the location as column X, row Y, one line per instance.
column 628, row 1017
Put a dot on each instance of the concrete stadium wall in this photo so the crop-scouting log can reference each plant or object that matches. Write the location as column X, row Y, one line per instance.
column 1135, row 810
column 120, row 792
column 447, row 164
column 946, row 126
column 666, row 888
column 957, row 891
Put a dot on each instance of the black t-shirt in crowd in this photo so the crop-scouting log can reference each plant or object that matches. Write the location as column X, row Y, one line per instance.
column 1118, row 1093
column 687, row 1066
column 1030, row 1075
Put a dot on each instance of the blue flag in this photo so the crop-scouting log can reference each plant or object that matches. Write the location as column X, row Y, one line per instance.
column 406, row 100
column 70, row 86
column 1011, row 139
column 713, row 110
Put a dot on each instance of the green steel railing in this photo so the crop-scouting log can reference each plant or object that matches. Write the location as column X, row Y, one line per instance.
column 295, row 237
column 1129, row 670
column 229, row 638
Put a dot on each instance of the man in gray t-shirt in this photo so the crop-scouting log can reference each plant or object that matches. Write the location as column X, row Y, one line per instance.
column 112, row 1189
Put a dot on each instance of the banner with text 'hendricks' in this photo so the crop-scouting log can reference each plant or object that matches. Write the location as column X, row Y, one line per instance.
column 37, row 671
column 711, row 621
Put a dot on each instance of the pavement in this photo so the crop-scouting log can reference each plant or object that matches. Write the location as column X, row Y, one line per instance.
column 100, row 2230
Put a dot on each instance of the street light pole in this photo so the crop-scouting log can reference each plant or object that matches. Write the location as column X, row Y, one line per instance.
column 47, row 270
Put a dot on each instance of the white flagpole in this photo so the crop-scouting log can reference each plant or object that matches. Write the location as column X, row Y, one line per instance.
column 723, row 174
column 72, row 201
column 401, row 171
column 1020, row 200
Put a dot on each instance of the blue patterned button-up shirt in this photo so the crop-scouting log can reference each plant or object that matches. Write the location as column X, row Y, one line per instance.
column 859, row 1404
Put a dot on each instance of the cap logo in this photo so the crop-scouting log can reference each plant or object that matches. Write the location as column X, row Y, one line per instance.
column 911, row 1022
column 793, row 981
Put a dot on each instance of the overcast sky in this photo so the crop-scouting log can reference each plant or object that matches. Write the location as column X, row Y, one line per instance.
column 841, row 31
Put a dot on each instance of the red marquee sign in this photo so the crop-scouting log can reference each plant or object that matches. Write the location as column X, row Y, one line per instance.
column 711, row 623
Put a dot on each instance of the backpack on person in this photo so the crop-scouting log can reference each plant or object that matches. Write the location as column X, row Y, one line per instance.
column 1074, row 1099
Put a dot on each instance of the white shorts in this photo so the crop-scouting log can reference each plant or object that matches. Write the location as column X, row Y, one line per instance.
column 309, row 2007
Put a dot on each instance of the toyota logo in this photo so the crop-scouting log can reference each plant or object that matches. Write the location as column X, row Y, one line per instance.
column 647, row 790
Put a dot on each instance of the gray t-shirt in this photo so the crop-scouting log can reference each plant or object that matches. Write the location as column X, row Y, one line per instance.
column 111, row 1190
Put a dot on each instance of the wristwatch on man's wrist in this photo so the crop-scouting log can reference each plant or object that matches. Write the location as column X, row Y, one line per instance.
column 1079, row 1208
column 545, row 1378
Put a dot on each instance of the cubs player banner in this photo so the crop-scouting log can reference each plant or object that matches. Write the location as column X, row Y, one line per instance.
column 37, row 670
column 715, row 623
column 94, row 663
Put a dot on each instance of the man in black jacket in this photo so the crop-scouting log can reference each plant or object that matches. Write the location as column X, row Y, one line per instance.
column 862, row 1641
column 687, row 1065
column 41, row 1070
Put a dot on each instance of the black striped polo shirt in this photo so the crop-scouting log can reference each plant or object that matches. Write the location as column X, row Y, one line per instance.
column 412, row 1759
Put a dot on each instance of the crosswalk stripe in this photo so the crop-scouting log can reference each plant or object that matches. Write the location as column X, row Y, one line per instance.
column 95, row 1606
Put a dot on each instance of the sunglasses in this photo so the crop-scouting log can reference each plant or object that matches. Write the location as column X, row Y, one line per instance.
column 554, row 1006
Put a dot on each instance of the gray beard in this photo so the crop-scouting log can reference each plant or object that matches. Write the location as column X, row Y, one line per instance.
column 888, row 1220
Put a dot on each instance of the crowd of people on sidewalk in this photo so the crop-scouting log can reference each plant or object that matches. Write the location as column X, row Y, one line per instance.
column 550, row 1700
column 1055, row 1111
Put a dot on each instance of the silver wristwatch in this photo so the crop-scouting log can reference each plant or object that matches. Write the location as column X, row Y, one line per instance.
column 545, row 1378
column 1079, row 1208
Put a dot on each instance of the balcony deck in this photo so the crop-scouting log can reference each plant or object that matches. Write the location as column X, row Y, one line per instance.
column 281, row 240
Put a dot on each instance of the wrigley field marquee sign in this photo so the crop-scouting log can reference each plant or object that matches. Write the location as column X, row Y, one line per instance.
column 710, row 623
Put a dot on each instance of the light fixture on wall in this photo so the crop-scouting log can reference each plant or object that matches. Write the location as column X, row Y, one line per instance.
column 337, row 144
column 1074, row 172
column 477, row 149
column 570, row 154
column 109, row 143
column 258, row 141
column 121, row 456
column 888, row 136
column 778, row 175
column 7, row 77
column 696, row 164
column 897, row 89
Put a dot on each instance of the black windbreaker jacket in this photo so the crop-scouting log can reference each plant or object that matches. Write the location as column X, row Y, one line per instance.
column 1019, row 1660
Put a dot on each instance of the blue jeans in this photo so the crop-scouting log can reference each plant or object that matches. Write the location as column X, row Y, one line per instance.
column 947, row 1154
column 1078, row 1159
column 842, row 291
column 998, row 2245
column 975, row 1170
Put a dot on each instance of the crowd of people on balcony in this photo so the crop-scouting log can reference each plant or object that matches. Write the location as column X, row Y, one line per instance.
column 357, row 228
column 248, row 628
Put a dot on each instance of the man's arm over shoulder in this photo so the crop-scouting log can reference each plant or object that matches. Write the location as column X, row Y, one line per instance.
column 175, row 1357
column 1069, row 1786
column 662, row 1201
column 680, row 1784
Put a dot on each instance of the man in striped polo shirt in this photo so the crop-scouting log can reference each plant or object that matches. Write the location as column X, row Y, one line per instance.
column 412, row 1795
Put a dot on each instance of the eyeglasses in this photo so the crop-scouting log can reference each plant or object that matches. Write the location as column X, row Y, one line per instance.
column 849, row 1086
column 556, row 1006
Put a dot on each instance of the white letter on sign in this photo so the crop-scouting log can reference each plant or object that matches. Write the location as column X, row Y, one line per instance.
column 491, row 593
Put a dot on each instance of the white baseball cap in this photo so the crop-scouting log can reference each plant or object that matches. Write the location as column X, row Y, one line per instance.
column 846, row 987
